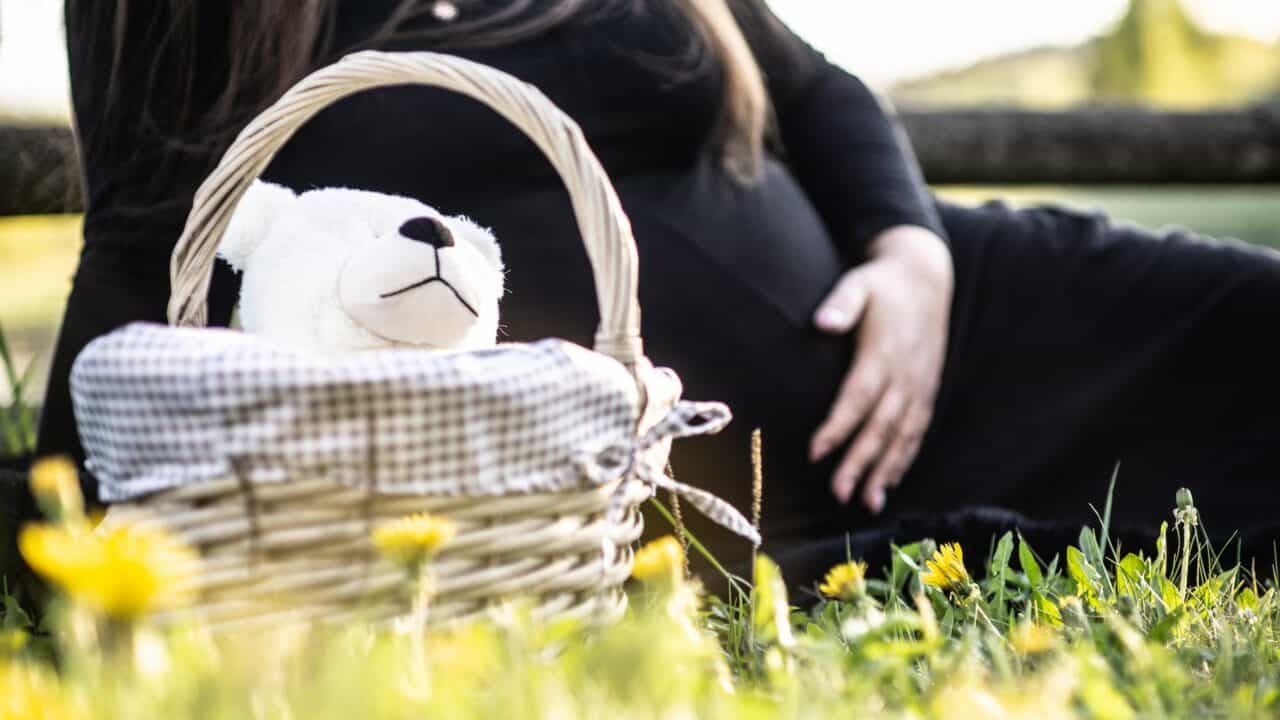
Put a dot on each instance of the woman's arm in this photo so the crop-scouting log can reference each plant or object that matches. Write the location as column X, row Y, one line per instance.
column 844, row 151
column 836, row 138
column 136, row 108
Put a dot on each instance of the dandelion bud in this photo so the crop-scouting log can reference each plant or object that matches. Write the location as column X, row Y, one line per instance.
column 56, row 487
column 1073, row 614
column 928, row 547
column 1184, row 499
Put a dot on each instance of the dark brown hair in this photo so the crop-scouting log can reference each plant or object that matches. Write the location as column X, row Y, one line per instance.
column 274, row 43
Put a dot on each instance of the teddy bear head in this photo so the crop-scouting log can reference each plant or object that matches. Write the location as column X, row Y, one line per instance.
column 337, row 270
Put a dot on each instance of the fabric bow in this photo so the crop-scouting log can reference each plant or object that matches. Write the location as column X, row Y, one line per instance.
column 626, row 459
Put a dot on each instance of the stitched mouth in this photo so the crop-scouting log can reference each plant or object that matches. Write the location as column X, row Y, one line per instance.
column 437, row 277
column 433, row 279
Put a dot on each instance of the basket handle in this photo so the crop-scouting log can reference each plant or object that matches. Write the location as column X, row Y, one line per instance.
column 604, row 226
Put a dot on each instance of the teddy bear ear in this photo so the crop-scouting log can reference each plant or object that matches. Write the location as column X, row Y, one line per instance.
column 251, row 221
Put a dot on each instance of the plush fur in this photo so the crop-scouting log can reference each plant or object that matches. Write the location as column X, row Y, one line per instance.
column 330, row 271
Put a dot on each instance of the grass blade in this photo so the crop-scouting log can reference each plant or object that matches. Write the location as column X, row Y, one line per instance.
column 1027, row 559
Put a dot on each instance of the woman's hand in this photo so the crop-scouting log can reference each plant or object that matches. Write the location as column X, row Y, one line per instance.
column 900, row 300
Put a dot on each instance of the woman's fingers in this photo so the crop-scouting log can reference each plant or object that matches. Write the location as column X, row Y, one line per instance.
column 900, row 300
column 879, row 431
column 902, row 451
column 844, row 305
column 862, row 387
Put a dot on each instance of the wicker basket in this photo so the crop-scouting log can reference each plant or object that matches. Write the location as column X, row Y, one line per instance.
column 299, row 549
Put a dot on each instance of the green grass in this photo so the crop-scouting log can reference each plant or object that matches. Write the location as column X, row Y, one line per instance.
column 1096, row 633
column 1248, row 213
column 37, row 259
column 17, row 419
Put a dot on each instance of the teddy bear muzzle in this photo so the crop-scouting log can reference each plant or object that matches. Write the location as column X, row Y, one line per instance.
column 420, row 287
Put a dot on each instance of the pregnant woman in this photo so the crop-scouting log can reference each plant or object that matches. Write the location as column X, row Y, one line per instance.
column 902, row 355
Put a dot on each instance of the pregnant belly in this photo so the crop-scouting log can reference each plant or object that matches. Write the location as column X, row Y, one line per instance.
column 766, row 238
column 730, row 278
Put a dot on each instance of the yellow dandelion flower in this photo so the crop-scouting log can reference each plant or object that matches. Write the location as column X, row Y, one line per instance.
column 659, row 561
column 945, row 570
column 966, row 699
column 56, row 485
column 1031, row 638
column 30, row 691
column 469, row 652
column 412, row 540
column 846, row 581
column 122, row 573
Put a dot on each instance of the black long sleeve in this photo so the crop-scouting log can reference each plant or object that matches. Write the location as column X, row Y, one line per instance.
column 838, row 141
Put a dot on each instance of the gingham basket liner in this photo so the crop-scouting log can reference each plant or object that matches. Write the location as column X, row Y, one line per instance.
column 161, row 407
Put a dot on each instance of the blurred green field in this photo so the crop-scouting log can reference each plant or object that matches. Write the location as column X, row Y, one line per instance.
column 1249, row 213
column 37, row 259
column 38, row 254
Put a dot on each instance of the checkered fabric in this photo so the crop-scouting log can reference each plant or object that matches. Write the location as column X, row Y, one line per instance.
column 161, row 407
column 686, row 419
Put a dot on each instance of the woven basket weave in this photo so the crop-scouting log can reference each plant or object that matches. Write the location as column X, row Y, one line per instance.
column 300, row 550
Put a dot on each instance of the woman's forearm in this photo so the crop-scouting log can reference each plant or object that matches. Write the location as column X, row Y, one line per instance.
column 847, row 154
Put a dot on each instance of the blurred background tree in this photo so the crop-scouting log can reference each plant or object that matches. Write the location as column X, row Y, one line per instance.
column 1158, row 55
column 1155, row 55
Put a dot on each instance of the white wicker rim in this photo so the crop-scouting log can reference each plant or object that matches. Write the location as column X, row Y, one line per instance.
column 301, row 550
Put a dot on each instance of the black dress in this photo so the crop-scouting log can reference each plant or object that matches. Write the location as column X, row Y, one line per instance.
column 1074, row 344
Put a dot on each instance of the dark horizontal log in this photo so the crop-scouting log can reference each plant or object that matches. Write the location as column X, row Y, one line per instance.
column 1126, row 146
column 39, row 173
column 38, row 169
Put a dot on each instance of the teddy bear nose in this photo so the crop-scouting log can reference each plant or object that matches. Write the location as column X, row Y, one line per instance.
column 428, row 230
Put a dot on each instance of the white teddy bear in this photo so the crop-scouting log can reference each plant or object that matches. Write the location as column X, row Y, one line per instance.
column 335, row 271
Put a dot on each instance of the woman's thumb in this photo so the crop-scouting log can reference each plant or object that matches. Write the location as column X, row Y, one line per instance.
column 842, row 308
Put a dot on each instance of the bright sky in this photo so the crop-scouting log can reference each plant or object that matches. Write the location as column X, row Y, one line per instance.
column 881, row 41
